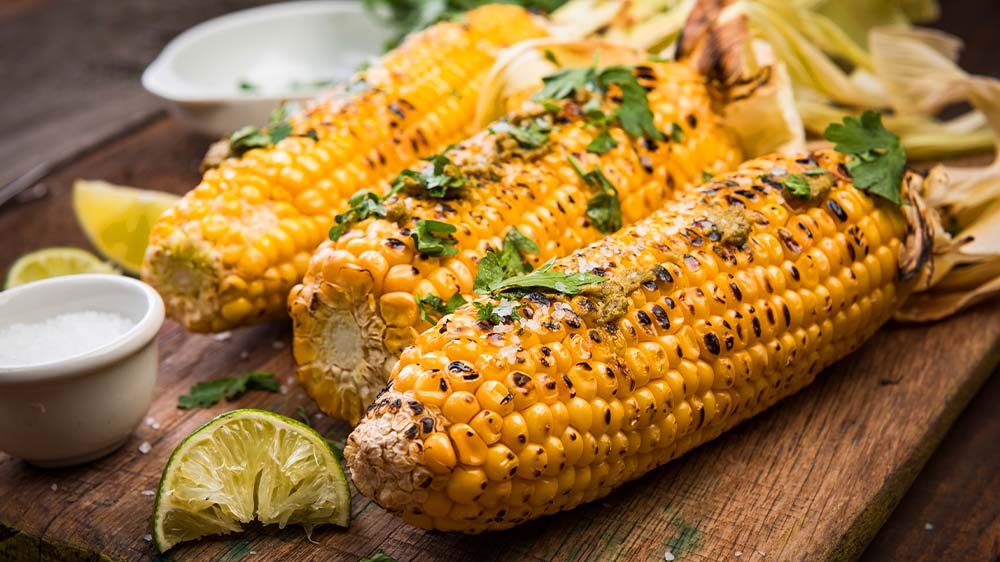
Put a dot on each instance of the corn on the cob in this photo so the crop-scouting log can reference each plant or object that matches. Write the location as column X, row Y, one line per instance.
column 364, row 287
column 732, row 297
column 230, row 251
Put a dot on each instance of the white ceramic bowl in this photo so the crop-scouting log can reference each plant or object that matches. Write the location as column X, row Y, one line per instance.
column 77, row 409
column 273, row 47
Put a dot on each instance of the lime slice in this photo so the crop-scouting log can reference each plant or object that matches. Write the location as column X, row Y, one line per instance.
column 117, row 219
column 248, row 465
column 53, row 262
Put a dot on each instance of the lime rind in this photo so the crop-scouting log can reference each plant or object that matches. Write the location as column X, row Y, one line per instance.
column 54, row 261
column 224, row 475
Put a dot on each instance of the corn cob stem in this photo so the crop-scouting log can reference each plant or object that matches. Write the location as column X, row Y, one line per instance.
column 736, row 295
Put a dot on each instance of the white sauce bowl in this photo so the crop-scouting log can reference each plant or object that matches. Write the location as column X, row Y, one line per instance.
column 77, row 409
column 200, row 71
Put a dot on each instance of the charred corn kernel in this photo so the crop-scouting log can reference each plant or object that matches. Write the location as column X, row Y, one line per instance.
column 420, row 97
column 722, row 353
column 539, row 194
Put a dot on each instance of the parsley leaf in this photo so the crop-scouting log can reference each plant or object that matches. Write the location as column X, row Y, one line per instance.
column 496, row 266
column 361, row 205
column 877, row 156
column 441, row 178
column 633, row 113
column 433, row 308
column 605, row 208
column 542, row 278
column 378, row 556
column 706, row 176
column 209, row 393
column 533, row 135
column 497, row 313
column 563, row 83
column 278, row 128
column 427, row 236
column 676, row 133
column 798, row 186
column 303, row 415
column 602, row 143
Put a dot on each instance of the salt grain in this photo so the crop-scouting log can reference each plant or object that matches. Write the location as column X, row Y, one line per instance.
column 54, row 487
column 278, row 344
column 929, row 526
column 145, row 447
column 223, row 336
column 244, row 354
column 147, row 538
column 738, row 554
column 60, row 337
column 147, row 493
column 669, row 556
column 762, row 553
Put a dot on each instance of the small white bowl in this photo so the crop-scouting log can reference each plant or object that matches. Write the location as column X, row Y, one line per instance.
column 275, row 46
column 77, row 409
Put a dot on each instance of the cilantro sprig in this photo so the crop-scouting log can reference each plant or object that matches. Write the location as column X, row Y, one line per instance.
column 798, row 186
column 278, row 128
column 360, row 206
column 509, row 261
column 532, row 135
column 433, row 308
column 440, row 178
column 209, row 393
column 494, row 314
column 434, row 238
column 877, row 156
column 544, row 279
column 604, row 209
column 632, row 114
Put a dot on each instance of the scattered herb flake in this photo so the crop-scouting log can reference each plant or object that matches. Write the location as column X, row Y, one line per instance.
column 877, row 158
column 509, row 261
column 361, row 205
column 551, row 57
column 434, row 238
column 209, row 393
column 797, row 186
column 440, row 178
column 497, row 313
column 247, row 86
column 604, row 209
column 815, row 172
column 378, row 556
column 532, row 135
column 602, row 143
column 303, row 415
column 706, row 176
column 433, row 308
column 676, row 133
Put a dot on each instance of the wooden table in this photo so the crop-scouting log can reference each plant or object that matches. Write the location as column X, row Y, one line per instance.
column 812, row 479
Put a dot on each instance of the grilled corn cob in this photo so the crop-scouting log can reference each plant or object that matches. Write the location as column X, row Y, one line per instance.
column 360, row 302
column 228, row 253
column 732, row 297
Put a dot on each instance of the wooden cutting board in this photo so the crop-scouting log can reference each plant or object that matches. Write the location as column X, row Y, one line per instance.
column 810, row 480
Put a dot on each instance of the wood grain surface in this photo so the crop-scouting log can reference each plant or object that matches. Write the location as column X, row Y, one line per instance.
column 812, row 479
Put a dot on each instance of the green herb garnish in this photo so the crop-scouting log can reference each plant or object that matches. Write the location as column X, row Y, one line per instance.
column 532, row 135
column 877, row 156
column 542, row 278
column 676, row 133
column 361, row 205
column 497, row 313
column 602, row 143
column 798, row 186
column 303, row 415
column 247, row 86
column 706, row 176
column 508, row 262
column 434, row 238
column 209, row 393
column 604, row 209
column 433, row 308
column 278, row 128
column 441, row 178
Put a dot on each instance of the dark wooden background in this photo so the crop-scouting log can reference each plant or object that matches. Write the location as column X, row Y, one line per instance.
column 69, row 82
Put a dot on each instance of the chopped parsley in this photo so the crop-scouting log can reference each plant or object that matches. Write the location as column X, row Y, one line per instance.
column 877, row 157
column 532, row 135
column 706, row 176
column 278, row 128
column 551, row 57
column 509, row 261
column 602, row 143
column 440, row 178
column 798, row 186
column 434, row 238
column 361, row 205
column 433, row 308
column 604, row 209
column 497, row 313
column 247, row 86
column 633, row 113
column 542, row 278
column 378, row 556
column 676, row 133
column 209, row 393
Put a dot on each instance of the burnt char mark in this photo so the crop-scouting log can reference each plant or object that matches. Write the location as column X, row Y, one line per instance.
column 661, row 316
column 756, row 326
column 521, row 379
column 712, row 343
column 772, row 182
column 416, row 407
column 692, row 120
column 836, row 209
column 459, row 367
column 427, row 424
column 736, row 291
column 789, row 240
column 794, row 271
column 395, row 244
column 662, row 274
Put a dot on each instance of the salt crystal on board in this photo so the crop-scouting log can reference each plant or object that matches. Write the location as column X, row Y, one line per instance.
column 145, row 447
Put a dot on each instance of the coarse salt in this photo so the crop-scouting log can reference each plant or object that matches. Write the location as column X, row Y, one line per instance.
column 60, row 337
column 54, row 487
column 147, row 538
column 669, row 556
column 147, row 493
column 145, row 447
column 223, row 336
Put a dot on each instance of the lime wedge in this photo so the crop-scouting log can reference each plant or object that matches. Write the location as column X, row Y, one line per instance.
column 248, row 465
column 117, row 219
column 53, row 262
